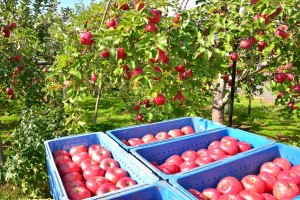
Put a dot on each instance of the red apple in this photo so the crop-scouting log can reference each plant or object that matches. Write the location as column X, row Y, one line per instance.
column 94, row 77
column 93, row 171
column 254, row 1
column 295, row 88
column 211, row 193
column 135, row 141
column 176, row 159
column 230, row 197
column 180, row 68
column 285, row 189
column 150, row 27
column 155, row 17
column 228, row 138
column 111, row 24
column 162, row 136
column 60, row 153
column 125, row 6
column 59, row 160
column 77, row 149
column 139, row 117
column 69, row 167
column 230, row 147
column 280, row 77
column 160, row 99
column 261, row 45
column 125, row 142
column 276, row 12
column 174, row 168
column 104, row 54
column 296, row 169
column 87, row 163
column 290, row 77
column 244, row 146
column 270, row 167
column 291, row 105
column 137, row 71
column 125, row 182
column 203, row 160
column 289, row 175
column 101, row 154
column 179, row 97
column 187, row 130
column 10, row 91
column 176, row 18
column 229, row 185
column 148, row 138
column 264, row 16
column 162, row 56
column 108, row 163
column 189, row 155
column 72, row 184
column 157, row 71
column 234, row 56
column 187, row 165
column 138, row 5
column 269, row 180
column 197, row 194
column 106, row 188
column 253, row 183
column 71, row 177
column 93, row 183
column 281, row 33
column 86, row 39
column 283, row 163
column 79, row 193
column 175, row 133
column 250, row 195
column 164, row 170
column 202, row 152
column 226, row 78
column 121, row 53
column 12, row 25
column 214, row 144
column 5, row 32
column 115, row 174
column 268, row 196
column 79, row 157
column 246, row 44
column 216, row 153
column 93, row 148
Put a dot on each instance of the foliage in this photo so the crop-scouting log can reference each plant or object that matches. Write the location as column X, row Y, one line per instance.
column 26, row 166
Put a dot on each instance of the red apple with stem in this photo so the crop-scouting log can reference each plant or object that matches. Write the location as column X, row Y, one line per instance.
column 93, row 171
column 160, row 99
column 86, row 38
column 212, row 193
column 72, row 184
column 79, row 193
column 270, row 167
column 106, row 188
column 253, row 183
column 77, row 149
column 214, row 144
column 59, row 160
column 269, row 180
column 187, row 165
column 93, row 183
column 283, row 163
column 104, row 54
column 230, row 147
column 148, row 138
column 284, row 189
column 290, row 176
column 93, row 148
column 87, row 163
column 125, row 182
column 229, row 185
column 115, row 174
column 79, row 157
column 111, row 24
column 202, row 152
column 108, row 163
column 187, row 130
column 189, row 155
column 101, row 154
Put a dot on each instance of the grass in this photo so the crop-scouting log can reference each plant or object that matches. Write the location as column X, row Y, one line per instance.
column 264, row 120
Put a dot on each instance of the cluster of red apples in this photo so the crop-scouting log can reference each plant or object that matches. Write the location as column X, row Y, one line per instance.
column 163, row 135
column 217, row 150
column 277, row 180
column 92, row 171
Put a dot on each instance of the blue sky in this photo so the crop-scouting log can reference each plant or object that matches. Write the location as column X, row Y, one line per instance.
column 71, row 3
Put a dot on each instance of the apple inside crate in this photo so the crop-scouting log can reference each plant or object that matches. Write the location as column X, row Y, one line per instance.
column 251, row 163
column 160, row 190
column 155, row 156
column 132, row 167
column 135, row 134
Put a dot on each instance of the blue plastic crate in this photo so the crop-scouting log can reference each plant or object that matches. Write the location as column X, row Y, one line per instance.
column 200, row 125
column 160, row 152
column 141, row 174
column 248, row 164
column 160, row 190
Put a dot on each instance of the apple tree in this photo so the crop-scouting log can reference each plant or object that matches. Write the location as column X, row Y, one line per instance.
column 166, row 66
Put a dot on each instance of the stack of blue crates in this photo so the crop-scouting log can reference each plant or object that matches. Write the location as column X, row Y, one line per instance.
column 154, row 184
